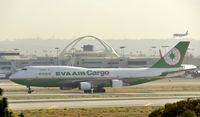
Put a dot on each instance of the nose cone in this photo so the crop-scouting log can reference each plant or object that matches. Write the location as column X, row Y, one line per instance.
column 16, row 75
column 17, row 78
column 13, row 76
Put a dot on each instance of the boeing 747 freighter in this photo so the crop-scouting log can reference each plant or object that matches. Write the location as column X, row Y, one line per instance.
column 95, row 79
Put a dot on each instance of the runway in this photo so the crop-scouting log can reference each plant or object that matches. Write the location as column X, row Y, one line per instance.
column 94, row 102
column 156, row 93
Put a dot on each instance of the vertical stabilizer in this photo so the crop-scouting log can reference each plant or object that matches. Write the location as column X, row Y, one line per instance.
column 174, row 57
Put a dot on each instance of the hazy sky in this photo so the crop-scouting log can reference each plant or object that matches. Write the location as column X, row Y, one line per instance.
column 101, row 18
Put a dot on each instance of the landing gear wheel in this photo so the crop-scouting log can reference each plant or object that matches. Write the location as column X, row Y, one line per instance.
column 29, row 90
column 99, row 90
column 87, row 91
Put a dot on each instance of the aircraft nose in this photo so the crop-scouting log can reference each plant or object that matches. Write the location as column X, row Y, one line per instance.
column 13, row 76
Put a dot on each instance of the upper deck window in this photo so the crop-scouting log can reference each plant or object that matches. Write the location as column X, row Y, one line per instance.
column 43, row 69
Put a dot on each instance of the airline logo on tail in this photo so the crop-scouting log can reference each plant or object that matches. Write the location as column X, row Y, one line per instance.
column 174, row 57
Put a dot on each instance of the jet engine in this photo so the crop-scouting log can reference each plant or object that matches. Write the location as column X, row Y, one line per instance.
column 117, row 83
column 85, row 86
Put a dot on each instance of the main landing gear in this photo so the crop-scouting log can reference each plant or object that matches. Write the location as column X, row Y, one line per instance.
column 99, row 90
column 29, row 90
column 96, row 90
column 88, row 91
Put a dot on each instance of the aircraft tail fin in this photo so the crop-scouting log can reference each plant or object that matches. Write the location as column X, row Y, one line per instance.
column 174, row 57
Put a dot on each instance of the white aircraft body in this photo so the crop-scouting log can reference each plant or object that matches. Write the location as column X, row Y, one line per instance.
column 94, row 79
column 180, row 34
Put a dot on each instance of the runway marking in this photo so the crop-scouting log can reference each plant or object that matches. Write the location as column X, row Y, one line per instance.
column 148, row 104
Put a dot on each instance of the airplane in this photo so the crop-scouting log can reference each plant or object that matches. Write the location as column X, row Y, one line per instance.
column 92, row 80
column 181, row 34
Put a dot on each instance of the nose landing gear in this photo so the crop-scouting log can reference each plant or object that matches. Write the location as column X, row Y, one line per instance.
column 29, row 90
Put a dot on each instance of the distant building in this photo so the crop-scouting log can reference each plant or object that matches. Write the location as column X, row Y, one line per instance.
column 87, row 57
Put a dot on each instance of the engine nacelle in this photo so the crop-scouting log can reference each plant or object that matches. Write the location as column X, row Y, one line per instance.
column 117, row 83
column 85, row 86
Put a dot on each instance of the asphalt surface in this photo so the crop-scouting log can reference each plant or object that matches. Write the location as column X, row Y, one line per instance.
column 19, row 99
column 94, row 102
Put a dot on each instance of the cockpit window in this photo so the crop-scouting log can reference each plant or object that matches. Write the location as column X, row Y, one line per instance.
column 24, row 68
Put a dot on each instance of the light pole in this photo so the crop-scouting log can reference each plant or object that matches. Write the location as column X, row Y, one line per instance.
column 189, row 55
column 15, row 59
column 154, row 51
column 57, row 49
column 122, row 50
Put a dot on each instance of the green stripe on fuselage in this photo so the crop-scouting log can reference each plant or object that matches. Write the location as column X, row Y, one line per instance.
column 136, row 81
column 74, row 82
